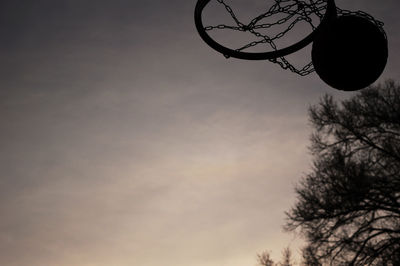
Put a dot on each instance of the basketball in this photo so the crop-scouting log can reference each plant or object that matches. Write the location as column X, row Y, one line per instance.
column 350, row 53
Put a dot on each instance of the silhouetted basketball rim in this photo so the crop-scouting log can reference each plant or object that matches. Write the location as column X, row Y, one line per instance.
column 201, row 4
column 350, row 54
column 349, row 48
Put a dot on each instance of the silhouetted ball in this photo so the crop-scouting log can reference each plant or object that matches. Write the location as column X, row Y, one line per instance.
column 350, row 54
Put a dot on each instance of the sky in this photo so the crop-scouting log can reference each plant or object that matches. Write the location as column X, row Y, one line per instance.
column 126, row 140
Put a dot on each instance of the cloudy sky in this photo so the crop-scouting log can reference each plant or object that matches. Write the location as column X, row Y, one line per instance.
column 125, row 140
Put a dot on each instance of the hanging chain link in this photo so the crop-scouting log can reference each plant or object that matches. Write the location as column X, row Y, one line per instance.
column 296, row 11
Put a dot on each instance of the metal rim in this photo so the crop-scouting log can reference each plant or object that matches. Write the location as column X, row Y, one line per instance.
column 330, row 14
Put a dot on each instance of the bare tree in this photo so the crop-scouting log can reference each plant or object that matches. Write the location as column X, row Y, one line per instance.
column 309, row 258
column 348, row 206
column 264, row 259
column 287, row 257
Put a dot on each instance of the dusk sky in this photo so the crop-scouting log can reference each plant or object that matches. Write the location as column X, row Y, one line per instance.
column 126, row 140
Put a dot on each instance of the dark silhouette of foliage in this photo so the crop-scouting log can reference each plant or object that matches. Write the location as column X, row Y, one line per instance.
column 348, row 206
column 287, row 257
column 309, row 258
column 264, row 259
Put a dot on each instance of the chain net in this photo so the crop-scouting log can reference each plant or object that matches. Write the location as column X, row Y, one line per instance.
column 293, row 12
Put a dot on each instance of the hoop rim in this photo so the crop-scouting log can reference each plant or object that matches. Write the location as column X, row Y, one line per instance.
column 330, row 14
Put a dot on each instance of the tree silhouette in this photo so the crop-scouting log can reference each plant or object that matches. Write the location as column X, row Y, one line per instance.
column 264, row 259
column 348, row 206
column 309, row 258
column 286, row 257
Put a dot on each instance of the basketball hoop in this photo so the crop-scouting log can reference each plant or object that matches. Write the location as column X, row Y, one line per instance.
column 240, row 54
column 329, row 39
